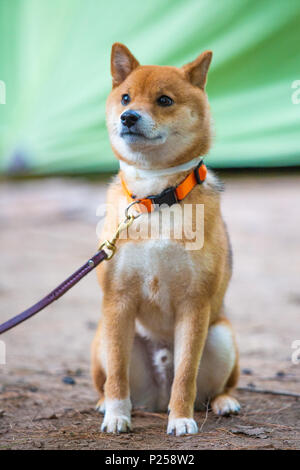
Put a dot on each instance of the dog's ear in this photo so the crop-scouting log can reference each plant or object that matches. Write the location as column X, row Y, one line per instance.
column 196, row 71
column 122, row 63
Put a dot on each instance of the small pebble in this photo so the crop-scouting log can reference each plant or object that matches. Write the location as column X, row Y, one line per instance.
column 251, row 385
column 91, row 325
column 39, row 444
column 280, row 373
column 247, row 371
column 68, row 380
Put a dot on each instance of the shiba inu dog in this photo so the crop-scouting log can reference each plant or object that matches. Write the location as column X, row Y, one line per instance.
column 163, row 341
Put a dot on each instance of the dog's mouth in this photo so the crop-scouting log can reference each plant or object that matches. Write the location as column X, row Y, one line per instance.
column 135, row 136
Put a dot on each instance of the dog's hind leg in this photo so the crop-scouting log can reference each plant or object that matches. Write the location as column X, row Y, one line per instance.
column 219, row 370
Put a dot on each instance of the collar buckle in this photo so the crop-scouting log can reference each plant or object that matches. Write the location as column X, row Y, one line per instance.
column 168, row 196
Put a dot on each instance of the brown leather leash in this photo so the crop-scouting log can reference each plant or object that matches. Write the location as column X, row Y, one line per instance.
column 68, row 283
column 56, row 293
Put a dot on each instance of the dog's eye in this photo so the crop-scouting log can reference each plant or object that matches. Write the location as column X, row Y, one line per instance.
column 125, row 99
column 164, row 100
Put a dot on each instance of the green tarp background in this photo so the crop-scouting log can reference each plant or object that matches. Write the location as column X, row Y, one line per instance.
column 54, row 61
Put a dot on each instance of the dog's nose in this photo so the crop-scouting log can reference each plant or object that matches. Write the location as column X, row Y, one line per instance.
column 129, row 118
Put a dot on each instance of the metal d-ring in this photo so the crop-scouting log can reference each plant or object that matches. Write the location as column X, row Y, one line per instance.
column 128, row 207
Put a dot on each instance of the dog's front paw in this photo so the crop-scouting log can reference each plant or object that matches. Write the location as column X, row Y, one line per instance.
column 115, row 423
column 117, row 416
column 182, row 426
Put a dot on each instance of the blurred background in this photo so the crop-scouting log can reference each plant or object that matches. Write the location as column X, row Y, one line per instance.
column 56, row 163
column 55, row 64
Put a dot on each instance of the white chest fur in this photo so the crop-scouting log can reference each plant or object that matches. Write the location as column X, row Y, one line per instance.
column 165, row 273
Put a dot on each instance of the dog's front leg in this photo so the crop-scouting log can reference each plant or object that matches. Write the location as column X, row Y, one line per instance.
column 191, row 329
column 118, row 324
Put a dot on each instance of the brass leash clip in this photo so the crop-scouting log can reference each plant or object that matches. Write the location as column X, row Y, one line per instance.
column 124, row 225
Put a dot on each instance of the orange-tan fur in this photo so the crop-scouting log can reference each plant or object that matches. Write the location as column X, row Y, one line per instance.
column 163, row 303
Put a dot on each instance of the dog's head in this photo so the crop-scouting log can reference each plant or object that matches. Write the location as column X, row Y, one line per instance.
column 157, row 116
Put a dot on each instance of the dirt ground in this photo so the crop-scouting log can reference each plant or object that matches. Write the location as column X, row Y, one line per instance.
column 46, row 395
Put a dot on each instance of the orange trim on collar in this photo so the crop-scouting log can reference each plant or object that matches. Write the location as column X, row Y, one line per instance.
column 170, row 195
